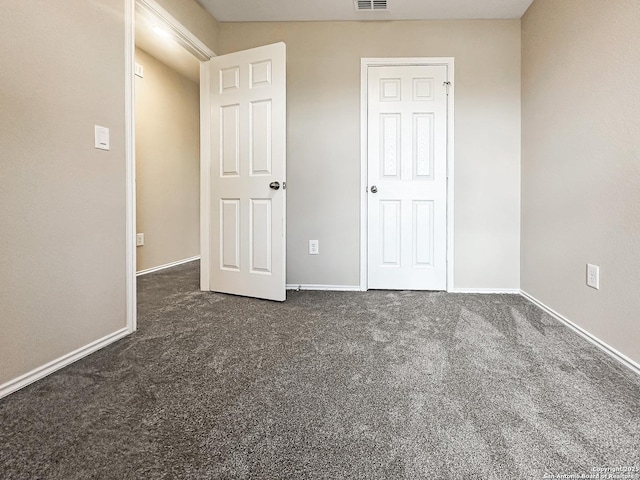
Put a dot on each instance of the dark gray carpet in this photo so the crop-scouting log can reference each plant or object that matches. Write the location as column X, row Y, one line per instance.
column 375, row 385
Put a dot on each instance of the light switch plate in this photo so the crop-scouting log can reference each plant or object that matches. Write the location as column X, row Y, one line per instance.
column 593, row 276
column 139, row 70
column 102, row 137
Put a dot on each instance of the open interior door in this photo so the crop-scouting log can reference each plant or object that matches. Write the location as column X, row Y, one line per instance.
column 248, row 173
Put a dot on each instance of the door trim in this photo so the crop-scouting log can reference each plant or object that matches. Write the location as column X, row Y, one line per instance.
column 203, row 53
column 365, row 63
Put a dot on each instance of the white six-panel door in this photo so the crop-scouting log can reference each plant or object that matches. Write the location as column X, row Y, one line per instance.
column 248, row 213
column 407, row 177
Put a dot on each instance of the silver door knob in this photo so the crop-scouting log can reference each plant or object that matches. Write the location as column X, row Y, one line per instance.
column 274, row 185
column 374, row 189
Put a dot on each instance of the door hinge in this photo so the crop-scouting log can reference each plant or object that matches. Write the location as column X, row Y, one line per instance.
column 447, row 85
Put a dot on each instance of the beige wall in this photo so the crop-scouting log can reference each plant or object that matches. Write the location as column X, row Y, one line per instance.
column 323, row 89
column 62, row 220
column 167, row 164
column 581, row 163
column 62, row 236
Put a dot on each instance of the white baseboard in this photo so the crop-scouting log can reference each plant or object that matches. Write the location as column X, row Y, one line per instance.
column 509, row 291
column 167, row 265
column 356, row 288
column 330, row 288
column 608, row 349
column 48, row 368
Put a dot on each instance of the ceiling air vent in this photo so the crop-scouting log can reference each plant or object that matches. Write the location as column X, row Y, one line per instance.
column 371, row 5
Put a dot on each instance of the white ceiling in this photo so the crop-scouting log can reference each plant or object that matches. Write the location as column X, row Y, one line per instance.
column 326, row 10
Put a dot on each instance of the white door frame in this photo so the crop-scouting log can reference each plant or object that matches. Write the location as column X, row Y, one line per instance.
column 202, row 53
column 364, row 154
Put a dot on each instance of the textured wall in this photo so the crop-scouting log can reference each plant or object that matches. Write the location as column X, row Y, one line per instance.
column 581, row 163
column 167, row 164
column 62, row 230
column 323, row 89
column 62, row 221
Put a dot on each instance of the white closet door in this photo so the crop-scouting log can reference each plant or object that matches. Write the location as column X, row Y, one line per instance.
column 407, row 177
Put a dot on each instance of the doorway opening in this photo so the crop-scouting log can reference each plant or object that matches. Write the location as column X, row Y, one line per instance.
column 167, row 109
column 185, row 55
